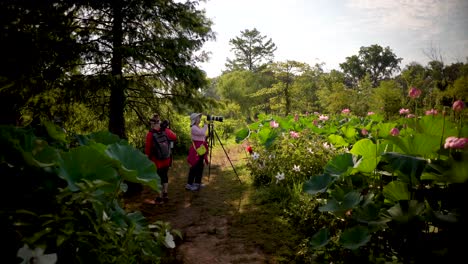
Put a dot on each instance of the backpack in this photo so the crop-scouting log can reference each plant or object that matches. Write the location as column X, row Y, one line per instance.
column 161, row 148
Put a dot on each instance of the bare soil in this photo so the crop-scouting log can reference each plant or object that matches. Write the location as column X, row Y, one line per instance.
column 216, row 221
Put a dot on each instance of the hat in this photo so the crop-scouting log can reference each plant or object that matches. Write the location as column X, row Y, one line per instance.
column 193, row 117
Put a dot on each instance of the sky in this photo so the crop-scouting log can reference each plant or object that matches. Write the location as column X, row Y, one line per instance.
column 328, row 31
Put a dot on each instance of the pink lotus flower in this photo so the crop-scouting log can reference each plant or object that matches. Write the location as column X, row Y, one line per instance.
column 414, row 92
column 458, row 106
column 345, row 111
column 432, row 112
column 456, row 143
column 294, row 134
column 404, row 111
column 274, row 124
column 394, row 132
column 370, row 113
column 323, row 118
column 364, row 132
column 315, row 122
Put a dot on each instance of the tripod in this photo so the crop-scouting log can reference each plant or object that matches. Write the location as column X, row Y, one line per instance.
column 211, row 134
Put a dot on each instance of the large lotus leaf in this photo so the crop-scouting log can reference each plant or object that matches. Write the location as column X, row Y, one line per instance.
column 284, row 123
column 369, row 153
column 447, row 171
column 396, row 191
column 46, row 154
column 84, row 163
column 135, row 166
column 418, row 144
column 376, row 118
column 320, row 239
column 434, row 125
column 242, row 134
column 405, row 211
column 337, row 141
column 54, row 131
column 341, row 165
column 355, row 237
column 266, row 136
column 349, row 201
column 409, row 166
column 349, row 132
column 370, row 214
column 317, row 184
column 104, row 137
column 382, row 130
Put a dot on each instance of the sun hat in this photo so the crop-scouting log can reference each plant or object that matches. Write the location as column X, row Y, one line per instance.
column 193, row 117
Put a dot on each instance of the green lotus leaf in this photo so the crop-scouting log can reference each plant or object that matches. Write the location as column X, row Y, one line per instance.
column 317, row 184
column 341, row 165
column 350, row 200
column 104, row 137
column 337, row 141
column 242, row 134
column 355, row 237
column 434, row 125
column 134, row 165
column 320, row 239
column 54, row 131
column 396, row 191
column 418, row 144
column 382, row 130
column 410, row 166
column 84, row 163
column 349, row 132
column 405, row 211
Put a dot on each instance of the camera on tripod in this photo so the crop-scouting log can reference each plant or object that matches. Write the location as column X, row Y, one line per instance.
column 214, row 118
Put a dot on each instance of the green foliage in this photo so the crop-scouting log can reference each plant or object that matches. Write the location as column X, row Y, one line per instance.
column 379, row 63
column 69, row 199
column 251, row 51
column 386, row 196
column 387, row 99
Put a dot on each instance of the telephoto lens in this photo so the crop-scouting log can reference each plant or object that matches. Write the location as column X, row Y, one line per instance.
column 214, row 118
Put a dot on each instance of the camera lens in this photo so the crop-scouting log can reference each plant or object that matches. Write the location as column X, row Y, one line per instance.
column 214, row 118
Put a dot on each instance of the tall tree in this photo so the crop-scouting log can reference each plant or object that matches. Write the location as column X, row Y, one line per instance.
column 145, row 48
column 251, row 51
column 38, row 48
column 380, row 63
column 285, row 74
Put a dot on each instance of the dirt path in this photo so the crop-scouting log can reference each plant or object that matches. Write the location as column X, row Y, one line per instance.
column 208, row 219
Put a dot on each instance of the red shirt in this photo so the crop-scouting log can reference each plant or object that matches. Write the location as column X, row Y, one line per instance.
column 149, row 143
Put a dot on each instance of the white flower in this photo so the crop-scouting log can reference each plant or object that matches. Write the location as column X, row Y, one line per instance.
column 297, row 168
column 35, row 256
column 169, row 240
column 325, row 145
column 310, row 150
column 255, row 156
column 105, row 217
column 279, row 177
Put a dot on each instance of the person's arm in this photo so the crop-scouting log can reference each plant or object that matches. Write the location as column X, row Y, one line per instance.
column 199, row 132
column 149, row 142
column 171, row 135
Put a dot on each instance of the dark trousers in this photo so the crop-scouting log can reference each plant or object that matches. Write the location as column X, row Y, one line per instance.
column 162, row 172
column 196, row 171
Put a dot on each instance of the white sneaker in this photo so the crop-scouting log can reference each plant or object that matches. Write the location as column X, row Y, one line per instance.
column 188, row 187
column 195, row 186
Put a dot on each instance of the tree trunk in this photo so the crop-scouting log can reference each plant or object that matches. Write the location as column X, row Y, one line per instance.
column 117, row 98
